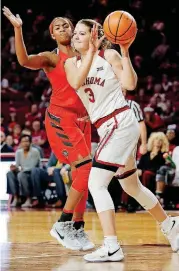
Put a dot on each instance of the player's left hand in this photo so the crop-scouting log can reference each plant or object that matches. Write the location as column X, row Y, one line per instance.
column 125, row 47
column 94, row 41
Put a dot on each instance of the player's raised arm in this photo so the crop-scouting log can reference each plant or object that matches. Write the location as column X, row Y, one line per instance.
column 30, row 61
column 76, row 76
column 122, row 66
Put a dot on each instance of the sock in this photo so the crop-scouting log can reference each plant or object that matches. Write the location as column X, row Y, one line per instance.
column 167, row 224
column 111, row 241
column 78, row 224
column 65, row 216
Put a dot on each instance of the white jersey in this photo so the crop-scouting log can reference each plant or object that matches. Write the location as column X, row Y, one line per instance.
column 101, row 93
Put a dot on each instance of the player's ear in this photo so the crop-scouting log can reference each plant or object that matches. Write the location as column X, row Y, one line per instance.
column 53, row 37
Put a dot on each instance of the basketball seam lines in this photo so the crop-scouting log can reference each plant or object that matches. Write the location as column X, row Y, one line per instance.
column 118, row 40
column 128, row 38
column 118, row 25
column 126, row 30
column 109, row 27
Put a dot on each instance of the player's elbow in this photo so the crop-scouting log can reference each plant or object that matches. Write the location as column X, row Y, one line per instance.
column 75, row 84
column 130, row 87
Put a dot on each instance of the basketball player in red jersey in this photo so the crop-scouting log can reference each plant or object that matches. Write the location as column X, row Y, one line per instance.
column 69, row 137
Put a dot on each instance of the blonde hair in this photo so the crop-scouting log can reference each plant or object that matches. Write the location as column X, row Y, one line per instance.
column 89, row 23
column 161, row 136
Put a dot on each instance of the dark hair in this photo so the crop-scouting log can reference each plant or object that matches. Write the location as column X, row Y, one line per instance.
column 64, row 18
column 29, row 137
column 89, row 23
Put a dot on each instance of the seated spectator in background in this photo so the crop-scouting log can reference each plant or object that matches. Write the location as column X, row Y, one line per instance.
column 153, row 121
column 42, row 177
column 39, row 138
column 3, row 144
column 166, row 84
column 150, row 162
column 33, row 115
column 165, row 175
column 17, row 83
column 171, row 136
column 149, row 85
column 16, row 135
column 13, row 119
column 3, row 126
column 45, row 98
column 19, row 176
column 9, row 141
column 26, row 131
column 142, row 98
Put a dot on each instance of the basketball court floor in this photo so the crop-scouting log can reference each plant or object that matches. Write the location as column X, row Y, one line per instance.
column 27, row 245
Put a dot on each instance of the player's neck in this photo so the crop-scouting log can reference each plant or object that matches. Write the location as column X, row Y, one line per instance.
column 83, row 54
column 68, row 50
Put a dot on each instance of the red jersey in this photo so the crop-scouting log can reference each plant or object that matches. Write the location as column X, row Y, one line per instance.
column 63, row 95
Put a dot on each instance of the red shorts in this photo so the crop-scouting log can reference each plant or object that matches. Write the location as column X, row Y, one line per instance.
column 69, row 138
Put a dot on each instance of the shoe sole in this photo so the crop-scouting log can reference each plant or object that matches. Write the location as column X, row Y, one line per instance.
column 88, row 248
column 56, row 236
column 110, row 259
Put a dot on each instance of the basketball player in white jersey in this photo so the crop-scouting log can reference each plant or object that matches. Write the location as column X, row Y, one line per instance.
column 99, row 80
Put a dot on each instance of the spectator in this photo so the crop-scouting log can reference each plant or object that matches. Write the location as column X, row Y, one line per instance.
column 16, row 135
column 151, row 161
column 166, row 84
column 149, row 85
column 33, row 115
column 42, row 177
column 171, row 136
column 39, row 138
column 13, row 120
column 165, row 175
column 3, row 126
column 3, row 144
column 9, row 141
column 26, row 131
column 153, row 121
column 19, row 177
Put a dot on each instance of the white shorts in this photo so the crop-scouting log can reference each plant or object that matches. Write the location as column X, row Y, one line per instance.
column 118, row 139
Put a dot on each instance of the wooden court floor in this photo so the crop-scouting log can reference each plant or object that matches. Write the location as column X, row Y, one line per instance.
column 26, row 244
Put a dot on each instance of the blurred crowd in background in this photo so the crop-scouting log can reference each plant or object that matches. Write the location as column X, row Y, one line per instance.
column 25, row 94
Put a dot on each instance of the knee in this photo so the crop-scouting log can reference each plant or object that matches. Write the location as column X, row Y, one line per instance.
column 56, row 172
column 80, row 177
column 20, row 175
column 10, row 174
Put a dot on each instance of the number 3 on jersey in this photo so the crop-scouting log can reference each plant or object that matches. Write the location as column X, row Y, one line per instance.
column 90, row 94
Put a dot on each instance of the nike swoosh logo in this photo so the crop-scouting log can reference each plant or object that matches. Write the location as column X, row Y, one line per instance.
column 62, row 237
column 173, row 224
column 110, row 254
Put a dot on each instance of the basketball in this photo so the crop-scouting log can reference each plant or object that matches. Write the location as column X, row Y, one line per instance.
column 120, row 27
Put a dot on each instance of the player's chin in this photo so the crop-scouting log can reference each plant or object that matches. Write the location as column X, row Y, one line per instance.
column 65, row 41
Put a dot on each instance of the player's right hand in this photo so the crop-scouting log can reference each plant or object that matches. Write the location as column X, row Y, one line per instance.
column 15, row 20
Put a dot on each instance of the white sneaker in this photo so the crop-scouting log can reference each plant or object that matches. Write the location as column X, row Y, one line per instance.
column 66, row 235
column 104, row 254
column 83, row 239
column 173, row 234
column 26, row 204
column 14, row 203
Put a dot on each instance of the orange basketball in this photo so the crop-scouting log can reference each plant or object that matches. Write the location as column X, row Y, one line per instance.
column 120, row 27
